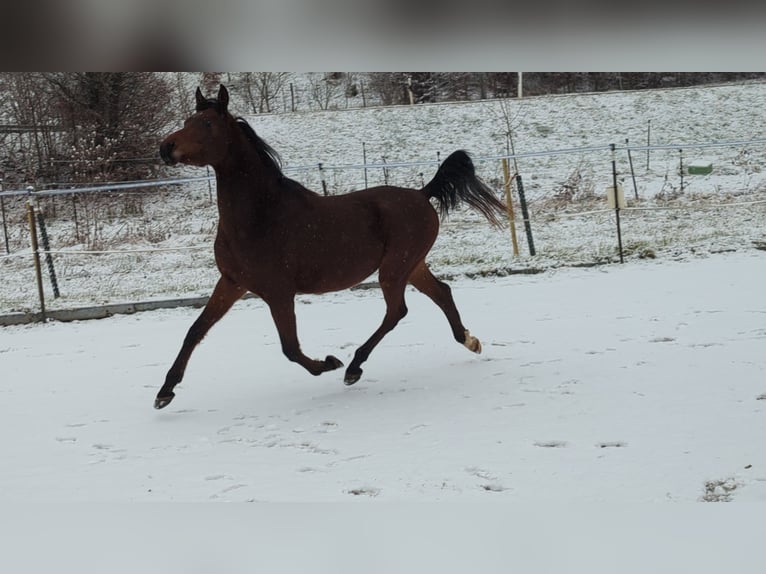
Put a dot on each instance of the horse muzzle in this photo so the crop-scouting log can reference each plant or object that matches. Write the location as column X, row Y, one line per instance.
column 166, row 152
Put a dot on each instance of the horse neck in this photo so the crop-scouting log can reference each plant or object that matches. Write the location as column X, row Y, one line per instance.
column 247, row 188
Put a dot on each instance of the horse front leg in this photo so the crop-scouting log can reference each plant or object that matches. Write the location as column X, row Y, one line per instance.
column 283, row 313
column 225, row 294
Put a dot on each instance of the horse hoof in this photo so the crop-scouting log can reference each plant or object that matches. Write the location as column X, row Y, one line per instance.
column 162, row 402
column 352, row 377
column 332, row 363
column 472, row 343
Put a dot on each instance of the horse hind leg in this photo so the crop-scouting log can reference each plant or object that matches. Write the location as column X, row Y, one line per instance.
column 441, row 294
column 225, row 294
column 396, row 309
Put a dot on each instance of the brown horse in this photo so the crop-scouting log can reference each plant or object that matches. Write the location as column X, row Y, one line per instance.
column 276, row 238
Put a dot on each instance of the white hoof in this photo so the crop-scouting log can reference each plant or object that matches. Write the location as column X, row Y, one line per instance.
column 472, row 343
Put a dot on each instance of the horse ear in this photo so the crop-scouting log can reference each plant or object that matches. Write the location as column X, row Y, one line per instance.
column 223, row 97
column 201, row 101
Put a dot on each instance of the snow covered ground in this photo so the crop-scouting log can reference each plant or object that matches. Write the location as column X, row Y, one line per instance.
column 618, row 384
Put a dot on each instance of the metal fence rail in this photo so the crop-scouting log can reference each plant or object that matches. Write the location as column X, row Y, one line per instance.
column 148, row 240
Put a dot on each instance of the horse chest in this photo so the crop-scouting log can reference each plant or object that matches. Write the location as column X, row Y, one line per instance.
column 244, row 265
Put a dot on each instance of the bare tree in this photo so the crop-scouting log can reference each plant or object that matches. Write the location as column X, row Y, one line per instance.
column 261, row 89
column 325, row 88
column 29, row 111
column 210, row 81
column 389, row 87
column 114, row 120
column 511, row 122
column 183, row 95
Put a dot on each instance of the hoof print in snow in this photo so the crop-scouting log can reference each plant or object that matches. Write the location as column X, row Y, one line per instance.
column 328, row 426
column 611, row 444
column 719, row 490
column 493, row 487
column 551, row 444
column 364, row 491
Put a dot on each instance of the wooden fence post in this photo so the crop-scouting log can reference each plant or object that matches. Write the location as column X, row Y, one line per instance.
column 36, row 254
column 509, row 205
column 616, row 202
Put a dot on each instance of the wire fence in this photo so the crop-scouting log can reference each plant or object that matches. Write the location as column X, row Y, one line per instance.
column 152, row 240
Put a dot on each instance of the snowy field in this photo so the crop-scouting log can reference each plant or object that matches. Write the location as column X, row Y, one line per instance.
column 620, row 384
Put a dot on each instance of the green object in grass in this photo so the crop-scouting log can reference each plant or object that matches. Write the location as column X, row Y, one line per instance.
column 700, row 168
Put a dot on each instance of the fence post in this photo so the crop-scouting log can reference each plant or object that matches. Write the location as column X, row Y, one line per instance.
column 385, row 171
column 5, row 227
column 74, row 216
column 525, row 214
column 681, row 167
column 616, row 200
column 36, row 254
column 509, row 205
column 321, row 176
column 364, row 160
column 48, row 256
column 648, row 141
column 632, row 173
column 209, row 185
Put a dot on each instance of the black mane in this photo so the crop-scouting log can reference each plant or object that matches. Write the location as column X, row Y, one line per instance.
column 265, row 151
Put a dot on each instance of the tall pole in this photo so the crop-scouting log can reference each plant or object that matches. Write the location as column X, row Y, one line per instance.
column 36, row 254
column 48, row 256
column 209, row 185
column 648, row 141
column 321, row 176
column 5, row 227
column 525, row 213
column 616, row 200
column 681, row 167
column 509, row 205
column 632, row 173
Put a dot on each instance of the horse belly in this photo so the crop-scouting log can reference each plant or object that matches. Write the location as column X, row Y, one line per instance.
column 339, row 263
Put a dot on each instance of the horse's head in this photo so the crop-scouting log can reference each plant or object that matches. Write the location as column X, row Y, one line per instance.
column 203, row 139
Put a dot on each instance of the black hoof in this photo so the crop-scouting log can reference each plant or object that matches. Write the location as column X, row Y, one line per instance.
column 352, row 377
column 332, row 363
column 162, row 402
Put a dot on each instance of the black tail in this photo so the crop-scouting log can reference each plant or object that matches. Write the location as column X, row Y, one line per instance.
column 455, row 181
